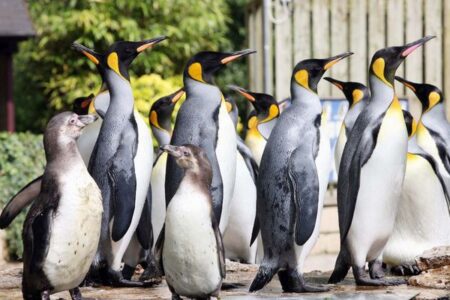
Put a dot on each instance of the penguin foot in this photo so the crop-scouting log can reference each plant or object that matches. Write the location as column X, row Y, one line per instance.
column 128, row 272
column 116, row 279
column 75, row 294
column 176, row 297
column 405, row 269
column 293, row 282
column 376, row 269
column 361, row 278
column 151, row 272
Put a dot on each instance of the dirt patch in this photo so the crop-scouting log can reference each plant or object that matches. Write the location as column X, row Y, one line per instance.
column 238, row 275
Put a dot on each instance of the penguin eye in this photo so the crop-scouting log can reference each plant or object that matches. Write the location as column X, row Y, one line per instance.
column 186, row 153
column 72, row 121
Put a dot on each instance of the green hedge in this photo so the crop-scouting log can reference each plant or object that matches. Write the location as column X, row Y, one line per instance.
column 22, row 159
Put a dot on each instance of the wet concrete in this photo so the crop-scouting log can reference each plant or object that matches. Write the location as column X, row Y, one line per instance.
column 10, row 277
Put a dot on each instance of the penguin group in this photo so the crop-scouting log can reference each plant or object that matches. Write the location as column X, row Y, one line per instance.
column 107, row 202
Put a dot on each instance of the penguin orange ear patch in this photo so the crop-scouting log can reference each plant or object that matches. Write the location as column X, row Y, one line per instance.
column 302, row 78
column 378, row 69
column 113, row 62
column 433, row 99
column 357, row 95
column 195, row 71
column 229, row 106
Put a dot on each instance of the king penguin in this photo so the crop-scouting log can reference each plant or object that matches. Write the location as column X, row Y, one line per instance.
column 260, row 121
column 190, row 244
column 371, row 172
column 292, row 181
column 203, row 121
column 81, row 105
column 423, row 219
column 122, row 151
column 62, row 228
column 237, row 236
column 357, row 96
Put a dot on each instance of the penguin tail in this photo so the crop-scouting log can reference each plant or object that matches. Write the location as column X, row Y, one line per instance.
column 262, row 278
column 341, row 267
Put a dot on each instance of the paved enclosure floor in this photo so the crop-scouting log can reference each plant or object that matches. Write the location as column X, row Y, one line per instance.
column 10, row 277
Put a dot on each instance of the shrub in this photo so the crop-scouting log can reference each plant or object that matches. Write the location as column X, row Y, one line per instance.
column 21, row 160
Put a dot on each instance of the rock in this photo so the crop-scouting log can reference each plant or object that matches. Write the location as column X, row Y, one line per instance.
column 434, row 258
column 438, row 278
column 3, row 249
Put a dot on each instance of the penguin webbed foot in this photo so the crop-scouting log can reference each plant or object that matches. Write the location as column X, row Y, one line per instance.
column 293, row 282
column 152, row 272
column 363, row 279
column 405, row 270
column 75, row 294
column 376, row 270
column 128, row 272
column 115, row 279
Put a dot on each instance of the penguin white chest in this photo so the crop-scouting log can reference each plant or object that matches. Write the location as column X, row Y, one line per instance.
column 226, row 157
column 380, row 186
column 75, row 231
column 190, row 257
column 158, row 195
column 340, row 144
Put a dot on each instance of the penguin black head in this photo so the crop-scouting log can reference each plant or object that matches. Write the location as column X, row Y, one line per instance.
column 386, row 61
column 353, row 91
column 161, row 111
column 67, row 125
column 119, row 55
column 203, row 65
column 307, row 73
column 191, row 158
column 81, row 104
column 265, row 105
column 428, row 95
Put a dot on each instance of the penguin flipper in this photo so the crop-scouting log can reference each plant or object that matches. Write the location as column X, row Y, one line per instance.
column 248, row 158
column 304, row 186
column 122, row 179
column 255, row 230
column 443, row 148
column 220, row 247
column 19, row 201
column 144, row 230
column 159, row 249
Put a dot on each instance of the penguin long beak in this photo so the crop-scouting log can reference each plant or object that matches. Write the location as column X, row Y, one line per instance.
column 337, row 83
column 89, row 53
column 333, row 60
column 409, row 48
column 243, row 92
column 150, row 43
column 408, row 84
column 171, row 150
column 236, row 55
column 177, row 95
column 86, row 119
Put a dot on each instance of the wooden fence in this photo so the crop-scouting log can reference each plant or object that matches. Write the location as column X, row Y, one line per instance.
column 322, row 28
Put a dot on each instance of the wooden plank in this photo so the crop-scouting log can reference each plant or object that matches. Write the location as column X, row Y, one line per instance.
column 339, row 41
column 259, row 46
column 321, row 37
column 283, row 51
column 433, row 49
column 446, row 55
column 396, row 34
column 302, row 30
column 251, row 45
column 413, row 64
column 377, row 34
column 358, row 40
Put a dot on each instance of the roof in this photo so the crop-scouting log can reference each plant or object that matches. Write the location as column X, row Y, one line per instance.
column 14, row 20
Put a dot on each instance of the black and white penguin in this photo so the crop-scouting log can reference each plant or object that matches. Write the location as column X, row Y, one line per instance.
column 238, row 234
column 371, row 173
column 190, row 245
column 357, row 95
column 62, row 228
column 292, row 181
column 260, row 122
column 121, row 162
column 81, row 105
column 423, row 219
column 203, row 121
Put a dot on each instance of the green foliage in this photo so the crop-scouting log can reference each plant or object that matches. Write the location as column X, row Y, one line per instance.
column 21, row 160
column 49, row 74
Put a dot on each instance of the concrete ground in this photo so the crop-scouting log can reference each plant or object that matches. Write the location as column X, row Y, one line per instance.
column 10, row 277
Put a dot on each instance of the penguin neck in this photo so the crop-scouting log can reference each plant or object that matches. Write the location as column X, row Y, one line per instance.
column 162, row 136
column 436, row 115
column 198, row 91
column 305, row 99
column 121, row 95
column 380, row 92
column 59, row 149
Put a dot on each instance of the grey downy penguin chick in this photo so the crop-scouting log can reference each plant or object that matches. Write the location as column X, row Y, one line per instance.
column 423, row 219
column 371, row 172
column 62, row 228
column 292, row 181
column 121, row 161
column 190, row 245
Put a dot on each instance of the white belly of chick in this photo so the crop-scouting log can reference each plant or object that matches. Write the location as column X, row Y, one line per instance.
column 190, row 257
column 75, row 232
column 380, row 187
